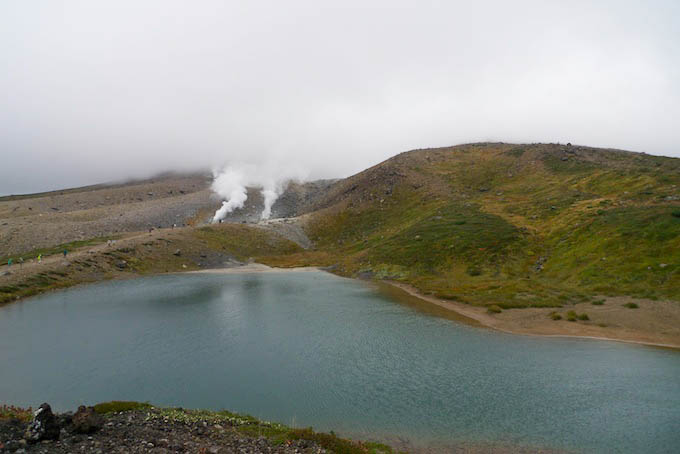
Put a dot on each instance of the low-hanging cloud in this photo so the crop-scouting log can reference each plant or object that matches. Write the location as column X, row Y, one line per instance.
column 97, row 91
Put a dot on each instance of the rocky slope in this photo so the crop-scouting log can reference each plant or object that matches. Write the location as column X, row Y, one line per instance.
column 34, row 221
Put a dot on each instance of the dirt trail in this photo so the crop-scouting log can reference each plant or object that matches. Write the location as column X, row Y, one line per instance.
column 32, row 266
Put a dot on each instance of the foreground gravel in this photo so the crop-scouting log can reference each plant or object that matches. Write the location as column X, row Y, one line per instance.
column 149, row 431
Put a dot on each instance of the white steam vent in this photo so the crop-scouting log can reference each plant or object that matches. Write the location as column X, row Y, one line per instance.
column 231, row 185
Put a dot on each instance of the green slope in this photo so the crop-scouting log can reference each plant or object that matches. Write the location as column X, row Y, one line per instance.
column 514, row 225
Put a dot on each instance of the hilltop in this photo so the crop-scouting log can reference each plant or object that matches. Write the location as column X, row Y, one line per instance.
column 519, row 225
column 563, row 232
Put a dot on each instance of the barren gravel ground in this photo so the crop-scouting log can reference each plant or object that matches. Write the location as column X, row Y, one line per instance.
column 149, row 432
column 42, row 220
column 47, row 219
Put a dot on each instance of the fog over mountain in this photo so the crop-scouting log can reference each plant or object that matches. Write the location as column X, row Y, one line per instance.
column 96, row 91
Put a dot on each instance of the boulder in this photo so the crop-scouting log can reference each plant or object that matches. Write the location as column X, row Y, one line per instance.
column 44, row 425
column 86, row 420
column 178, row 252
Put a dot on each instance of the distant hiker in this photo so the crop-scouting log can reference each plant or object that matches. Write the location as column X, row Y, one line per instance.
column 21, row 263
column 9, row 262
column 39, row 258
column 65, row 252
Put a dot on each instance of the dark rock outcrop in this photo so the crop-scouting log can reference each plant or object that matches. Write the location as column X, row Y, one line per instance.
column 86, row 420
column 44, row 425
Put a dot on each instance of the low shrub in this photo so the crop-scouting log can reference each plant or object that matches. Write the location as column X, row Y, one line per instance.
column 494, row 309
column 555, row 316
column 583, row 316
column 676, row 213
column 11, row 412
column 631, row 305
column 598, row 302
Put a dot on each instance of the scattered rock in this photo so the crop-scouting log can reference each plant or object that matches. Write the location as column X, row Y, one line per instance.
column 538, row 266
column 366, row 275
column 121, row 265
column 86, row 420
column 178, row 252
column 44, row 425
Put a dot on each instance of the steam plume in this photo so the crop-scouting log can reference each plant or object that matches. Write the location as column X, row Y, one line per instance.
column 231, row 185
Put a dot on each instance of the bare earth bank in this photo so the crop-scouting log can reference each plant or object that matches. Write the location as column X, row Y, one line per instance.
column 653, row 323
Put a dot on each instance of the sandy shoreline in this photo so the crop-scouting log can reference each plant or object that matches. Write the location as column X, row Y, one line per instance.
column 254, row 268
column 478, row 316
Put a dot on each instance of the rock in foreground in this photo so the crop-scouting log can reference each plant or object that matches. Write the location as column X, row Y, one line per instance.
column 44, row 425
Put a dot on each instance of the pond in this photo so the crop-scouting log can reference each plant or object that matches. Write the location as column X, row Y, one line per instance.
column 313, row 349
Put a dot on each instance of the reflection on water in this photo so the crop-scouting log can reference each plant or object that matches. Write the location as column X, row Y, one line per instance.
column 315, row 349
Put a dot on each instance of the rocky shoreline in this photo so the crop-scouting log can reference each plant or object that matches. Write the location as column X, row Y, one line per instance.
column 128, row 427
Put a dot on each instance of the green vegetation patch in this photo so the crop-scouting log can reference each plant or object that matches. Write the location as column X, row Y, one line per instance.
column 631, row 250
column 10, row 412
column 116, row 406
column 244, row 241
column 435, row 242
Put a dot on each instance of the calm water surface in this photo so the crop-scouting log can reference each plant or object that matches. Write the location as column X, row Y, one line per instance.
column 315, row 349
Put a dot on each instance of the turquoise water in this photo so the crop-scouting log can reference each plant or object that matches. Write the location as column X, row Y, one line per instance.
column 315, row 349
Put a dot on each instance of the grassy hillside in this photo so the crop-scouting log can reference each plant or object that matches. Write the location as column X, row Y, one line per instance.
column 514, row 225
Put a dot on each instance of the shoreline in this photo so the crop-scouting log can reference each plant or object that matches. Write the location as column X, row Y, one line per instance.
column 478, row 318
column 475, row 316
column 251, row 268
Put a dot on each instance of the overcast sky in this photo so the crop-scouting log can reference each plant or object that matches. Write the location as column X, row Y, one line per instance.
column 92, row 91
